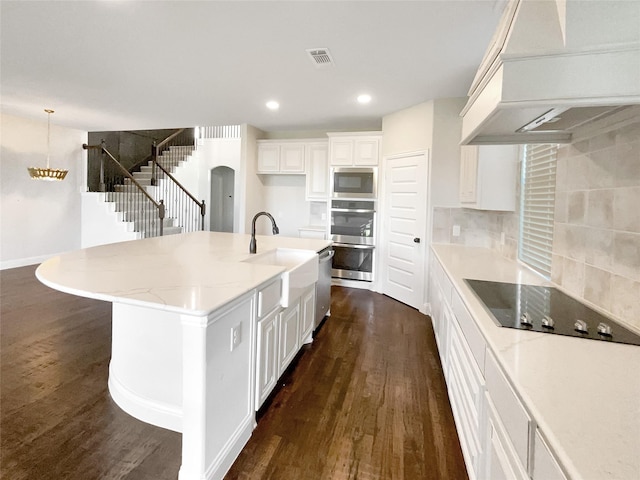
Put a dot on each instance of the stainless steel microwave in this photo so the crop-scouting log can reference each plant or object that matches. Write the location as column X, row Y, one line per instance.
column 354, row 182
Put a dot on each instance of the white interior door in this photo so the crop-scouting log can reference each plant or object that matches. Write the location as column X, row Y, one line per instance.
column 403, row 228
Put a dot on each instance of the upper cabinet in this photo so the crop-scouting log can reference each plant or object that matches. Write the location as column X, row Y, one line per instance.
column 488, row 177
column 317, row 186
column 278, row 156
column 354, row 149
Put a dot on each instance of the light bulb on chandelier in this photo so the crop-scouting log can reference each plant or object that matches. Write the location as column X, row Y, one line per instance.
column 48, row 173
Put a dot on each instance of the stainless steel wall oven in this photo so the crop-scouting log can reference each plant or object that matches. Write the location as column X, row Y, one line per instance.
column 353, row 233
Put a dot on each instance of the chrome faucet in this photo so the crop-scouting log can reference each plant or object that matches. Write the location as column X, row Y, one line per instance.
column 274, row 228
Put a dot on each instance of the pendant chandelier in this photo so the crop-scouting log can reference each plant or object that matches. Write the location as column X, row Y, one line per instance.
column 49, row 174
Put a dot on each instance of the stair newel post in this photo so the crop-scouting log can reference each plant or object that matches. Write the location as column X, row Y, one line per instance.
column 154, row 156
column 161, row 215
column 103, row 154
column 203, row 211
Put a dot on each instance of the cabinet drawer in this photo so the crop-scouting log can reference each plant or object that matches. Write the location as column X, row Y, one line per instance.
column 467, row 434
column 545, row 466
column 513, row 416
column 474, row 338
column 445, row 283
column 269, row 297
column 500, row 459
column 470, row 380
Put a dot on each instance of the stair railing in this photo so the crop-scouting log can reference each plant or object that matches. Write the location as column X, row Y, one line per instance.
column 142, row 209
column 181, row 137
column 180, row 203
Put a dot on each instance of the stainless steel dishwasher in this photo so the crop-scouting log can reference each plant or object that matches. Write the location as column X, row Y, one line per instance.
column 323, row 287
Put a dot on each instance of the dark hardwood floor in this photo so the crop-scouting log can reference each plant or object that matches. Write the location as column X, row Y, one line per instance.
column 366, row 401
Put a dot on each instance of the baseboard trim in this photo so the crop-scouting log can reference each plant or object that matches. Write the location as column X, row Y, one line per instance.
column 221, row 464
column 23, row 262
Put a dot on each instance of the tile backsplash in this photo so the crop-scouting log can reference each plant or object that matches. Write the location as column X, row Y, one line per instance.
column 478, row 228
column 596, row 245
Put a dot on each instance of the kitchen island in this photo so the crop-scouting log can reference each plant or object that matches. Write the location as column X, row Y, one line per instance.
column 528, row 404
column 184, row 345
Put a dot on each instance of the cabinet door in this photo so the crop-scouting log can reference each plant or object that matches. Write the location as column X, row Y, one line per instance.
column 497, row 176
column 317, row 172
column 268, row 158
column 366, row 152
column 500, row 459
column 513, row 416
column 307, row 316
column 288, row 338
column 468, row 173
column 292, row 158
column 267, row 355
column 545, row 466
column 341, row 152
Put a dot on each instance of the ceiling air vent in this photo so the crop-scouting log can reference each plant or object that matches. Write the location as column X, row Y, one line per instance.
column 321, row 57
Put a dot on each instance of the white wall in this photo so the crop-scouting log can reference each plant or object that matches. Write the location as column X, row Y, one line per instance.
column 253, row 188
column 408, row 130
column 38, row 219
column 284, row 198
column 445, row 158
column 195, row 174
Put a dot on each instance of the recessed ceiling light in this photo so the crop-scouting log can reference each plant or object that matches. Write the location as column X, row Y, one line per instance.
column 273, row 105
column 364, row 98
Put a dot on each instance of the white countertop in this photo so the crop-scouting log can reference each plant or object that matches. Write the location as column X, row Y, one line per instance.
column 583, row 394
column 314, row 228
column 193, row 273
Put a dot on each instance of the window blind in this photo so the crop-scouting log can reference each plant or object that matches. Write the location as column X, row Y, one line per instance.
column 537, row 202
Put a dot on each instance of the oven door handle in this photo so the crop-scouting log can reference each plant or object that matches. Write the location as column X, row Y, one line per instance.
column 353, row 210
column 326, row 256
column 353, row 245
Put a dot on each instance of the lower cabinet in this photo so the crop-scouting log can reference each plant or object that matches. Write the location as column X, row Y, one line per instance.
column 307, row 315
column 498, row 436
column 500, row 458
column 545, row 466
column 280, row 334
column 289, row 325
column 267, row 365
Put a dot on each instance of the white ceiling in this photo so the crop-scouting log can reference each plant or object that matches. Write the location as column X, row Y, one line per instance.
column 123, row 65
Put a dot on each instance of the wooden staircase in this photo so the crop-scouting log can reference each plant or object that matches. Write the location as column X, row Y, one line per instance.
column 128, row 201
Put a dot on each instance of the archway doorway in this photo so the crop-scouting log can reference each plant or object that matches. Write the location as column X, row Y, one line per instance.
column 222, row 199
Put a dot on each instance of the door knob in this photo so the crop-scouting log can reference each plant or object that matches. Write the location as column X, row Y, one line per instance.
column 416, row 240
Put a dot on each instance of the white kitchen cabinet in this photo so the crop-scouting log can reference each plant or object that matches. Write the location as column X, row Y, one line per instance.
column 288, row 336
column 500, row 461
column 354, row 149
column 545, row 466
column 284, row 157
column 512, row 414
column 317, row 168
column 495, row 429
column 267, row 356
column 307, row 315
column 280, row 335
column 488, row 177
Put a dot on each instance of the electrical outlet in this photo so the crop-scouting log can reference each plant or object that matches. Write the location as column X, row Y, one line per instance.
column 456, row 230
column 236, row 336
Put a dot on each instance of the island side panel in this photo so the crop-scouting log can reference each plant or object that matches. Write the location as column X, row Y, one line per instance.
column 218, row 388
column 145, row 372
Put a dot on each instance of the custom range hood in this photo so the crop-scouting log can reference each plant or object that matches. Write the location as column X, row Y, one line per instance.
column 551, row 67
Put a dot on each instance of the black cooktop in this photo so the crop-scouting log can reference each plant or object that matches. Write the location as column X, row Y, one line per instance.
column 547, row 310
